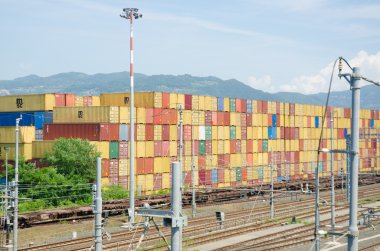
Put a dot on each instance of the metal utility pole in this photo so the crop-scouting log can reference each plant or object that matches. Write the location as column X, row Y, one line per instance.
column 131, row 13
column 317, row 239
column 348, row 148
column 15, row 220
column 180, row 140
column 354, row 161
column 271, row 186
column 7, row 218
column 176, row 241
column 98, row 207
column 193, row 202
column 332, row 175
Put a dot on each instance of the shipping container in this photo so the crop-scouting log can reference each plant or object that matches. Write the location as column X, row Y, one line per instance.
column 94, row 132
column 36, row 119
column 141, row 99
column 25, row 151
column 8, row 134
column 32, row 102
column 96, row 114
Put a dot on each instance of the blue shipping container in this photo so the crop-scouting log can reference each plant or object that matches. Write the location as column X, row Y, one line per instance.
column 249, row 106
column 274, row 133
column 269, row 132
column 274, row 120
column 345, row 132
column 37, row 119
column 372, row 123
column 316, row 122
column 123, row 132
column 214, row 176
column 279, row 178
column 220, row 104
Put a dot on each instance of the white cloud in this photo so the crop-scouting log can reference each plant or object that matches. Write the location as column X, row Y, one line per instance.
column 263, row 83
column 370, row 67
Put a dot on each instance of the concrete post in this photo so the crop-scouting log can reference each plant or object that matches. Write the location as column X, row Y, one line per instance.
column 354, row 167
column 131, row 216
column 332, row 174
column 271, row 186
column 193, row 202
column 15, row 220
column 176, row 242
column 98, row 207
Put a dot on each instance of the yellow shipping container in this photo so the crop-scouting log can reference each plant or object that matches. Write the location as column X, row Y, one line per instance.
column 214, row 132
column 95, row 101
column 86, row 114
column 226, row 146
column 173, row 151
column 227, row 175
column 26, row 134
column 214, row 103
column 187, row 117
column 140, row 149
column 202, row 103
column 33, row 102
column 173, row 99
column 157, row 132
column 140, row 134
column 25, row 150
column 141, row 115
column 208, row 103
column 124, row 117
column 149, row 149
column 166, row 181
column 226, row 104
column 142, row 99
column 79, row 101
column 173, row 132
column 124, row 167
column 238, row 132
column 166, row 164
column 149, row 182
column 181, row 100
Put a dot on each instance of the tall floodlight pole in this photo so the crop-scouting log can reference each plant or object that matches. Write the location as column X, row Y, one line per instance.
column 15, row 220
column 332, row 174
column 193, row 203
column 271, row 186
column 317, row 237
column 131, row 13
column 7, row 218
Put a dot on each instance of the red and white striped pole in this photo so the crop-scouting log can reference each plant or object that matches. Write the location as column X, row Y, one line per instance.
column 131, row 13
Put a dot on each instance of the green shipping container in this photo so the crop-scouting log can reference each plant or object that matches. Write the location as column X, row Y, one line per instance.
column 232, row 132
column 320, row 167
column 208, row 133
column 265, row 145
column 232, row 105
column 201, row 147
column 114, row 150
column 238, row 174
column 260, row 172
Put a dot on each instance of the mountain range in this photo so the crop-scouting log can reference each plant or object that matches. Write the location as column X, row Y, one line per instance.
column 84, row 84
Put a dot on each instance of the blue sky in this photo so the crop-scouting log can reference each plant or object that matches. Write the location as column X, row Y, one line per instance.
column 286, row 45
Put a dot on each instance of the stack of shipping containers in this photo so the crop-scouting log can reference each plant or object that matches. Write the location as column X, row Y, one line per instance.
column 233, row 139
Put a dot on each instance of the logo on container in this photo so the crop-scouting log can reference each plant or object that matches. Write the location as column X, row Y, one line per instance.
column 19, row 102
column 126, row 100
column 80, row 114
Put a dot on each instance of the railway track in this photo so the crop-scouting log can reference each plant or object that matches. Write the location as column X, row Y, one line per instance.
column 197, row 226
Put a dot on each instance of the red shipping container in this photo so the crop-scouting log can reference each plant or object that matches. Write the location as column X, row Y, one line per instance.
column 249, row 160
column 226, row 160
column 157, row 181
column 214, row 118
column 202, row 177
column 148, row 165
column 292, row 133
column 165, row 100
column 87, row 101
column 278, row 120
column 265, row 107
column 69, row 99
column 243, row 105
column 238, row 146
column 165, row 148
column 123, row 181
column 60, row 99
column 201, row 162
column 282, row 132
column 208, row 118
column 244, row 174
column 259, row 106
column 94, row 132
column 149, row 132
column 149, row 115
column 157, row 116
column 220, row 175
column 114, row 168
column 172, row 116
column 260, row 146
column 220, row 160
column 123, row 149
column 208, row 144
column 292, row 109
column 301, row 144
column 187, row 131
column 269, row 119
column 140, row 165
column 105, row 168
column 188, row 100
column 165, row 132
column 196, row 146
column 308, row 121
column 226, row 118
column 278, row 109
column 238, row 104
column 158, row 148
column 220, row 118
column 249, row 148
column 244, row 132
column 249, row 119
column 296, row 133
column 232, row 146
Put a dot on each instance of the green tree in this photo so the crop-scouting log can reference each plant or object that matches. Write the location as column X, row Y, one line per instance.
column 73, row 157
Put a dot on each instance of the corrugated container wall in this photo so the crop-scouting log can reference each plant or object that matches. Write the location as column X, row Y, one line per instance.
column 34, row 102
column 96, row 114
